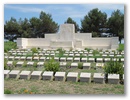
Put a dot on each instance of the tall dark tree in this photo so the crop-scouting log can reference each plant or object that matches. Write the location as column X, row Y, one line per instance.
column 11, row 29
column 94, row 21
column 71, row 21
column 35, row 24
column 116, row 24
column 26, row 29
column 47, row 24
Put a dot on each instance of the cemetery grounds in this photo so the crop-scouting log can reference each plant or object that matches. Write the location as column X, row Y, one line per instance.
column 24, row 86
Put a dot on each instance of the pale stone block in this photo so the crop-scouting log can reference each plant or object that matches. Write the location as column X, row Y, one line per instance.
column 72, row 76
column 86, row 65
column 46, row 54
column 71, row 55
column 18, row 51
column 113, row 78
column 35, row 54
column 115, row 59
column 77, row 55
column 56, row 59
column 107, row 59
column 81, row 52
column 30, row 64
column 74, row 65
column 6, row 57
column 47, row 75
column 17, row 58
column 60, row 76
column 99, row 65
column 14, row 54
column 63, row 59
column 111, row 55
column 11, row 58
column 19, row 64
column 48, row 58
column 10, row 51
column 36, row 58
column 42, row 58
column 40, row 64
column 85, row 77
column 71, row 52
column 40, row 54
column 101, row 52
column 90, row 52
column 6, row 73
column 76, row 52
column 24, row 54
column 36, row 75
column 52, row 55
column 10, row 63
column 85, row 52
column 91, row 59
column 69, row 59
column 25, row 75
column 99, row 59
column 106, row 52
column 122, row 53
column 98, row 78
column 63, row 64
column 122, row 59
column 104, row 55
column 29, row 58
column 84, row 59
column 57, row 52
column 14, row 74
column 19, row 54
column 65, row 54
column 118, row 55
column 90, row 55
column 77, row 59
column 23, row 58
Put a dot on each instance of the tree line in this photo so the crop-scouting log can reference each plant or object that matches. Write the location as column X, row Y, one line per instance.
column 94, row 22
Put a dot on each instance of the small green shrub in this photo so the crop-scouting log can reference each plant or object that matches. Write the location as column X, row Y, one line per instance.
column 80, row 65
column 95, row 52
column 5, row 64
column 34, row 50
column 52, row 65
column 7, row 91
column 38, row 48
column 88, row 49
column 71, row 49
column 30, row 54
column 35, row 64
column 114, row 67
column 14, row 63
column 24, row 64
column 61, row 52
column 9, row 45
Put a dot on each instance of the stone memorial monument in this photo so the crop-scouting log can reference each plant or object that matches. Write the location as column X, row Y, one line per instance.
column 67, row 38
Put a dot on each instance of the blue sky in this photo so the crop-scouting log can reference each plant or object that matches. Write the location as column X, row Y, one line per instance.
column 59, row 12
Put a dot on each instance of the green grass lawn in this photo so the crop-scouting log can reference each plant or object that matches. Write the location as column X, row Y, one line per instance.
column 21, row 86
column 9, row 45
column 121, row 46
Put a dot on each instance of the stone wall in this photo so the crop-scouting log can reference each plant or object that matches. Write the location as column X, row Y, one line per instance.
column 67, row 38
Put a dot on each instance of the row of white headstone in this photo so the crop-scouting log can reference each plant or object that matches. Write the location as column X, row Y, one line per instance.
column 86, row 65
column 61, row 76
column 72, row 59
